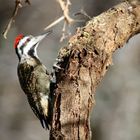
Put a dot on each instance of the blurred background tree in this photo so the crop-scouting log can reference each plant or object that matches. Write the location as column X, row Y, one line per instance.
column 117, row 110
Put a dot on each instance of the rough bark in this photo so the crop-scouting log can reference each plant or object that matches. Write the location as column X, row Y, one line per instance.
column 84, row 62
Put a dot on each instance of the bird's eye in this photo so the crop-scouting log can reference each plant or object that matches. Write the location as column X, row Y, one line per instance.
column 28, row 39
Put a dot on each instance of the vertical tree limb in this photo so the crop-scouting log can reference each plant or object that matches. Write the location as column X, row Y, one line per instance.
column 84, row 62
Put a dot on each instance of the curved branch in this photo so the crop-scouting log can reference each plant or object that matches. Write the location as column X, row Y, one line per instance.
column 84, row 62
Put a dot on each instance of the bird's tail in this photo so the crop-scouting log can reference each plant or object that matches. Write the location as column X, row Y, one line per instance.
column 45, row 122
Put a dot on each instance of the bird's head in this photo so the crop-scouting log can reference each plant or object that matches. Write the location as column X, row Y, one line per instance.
column 26, row 46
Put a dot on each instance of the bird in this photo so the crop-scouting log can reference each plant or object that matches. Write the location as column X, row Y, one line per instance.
column 33, row 76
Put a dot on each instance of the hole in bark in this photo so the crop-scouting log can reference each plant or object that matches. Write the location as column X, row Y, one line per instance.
column 96, row 52
column 137, row 23
column 121, row 11
column 82, row 35
column 84, row 52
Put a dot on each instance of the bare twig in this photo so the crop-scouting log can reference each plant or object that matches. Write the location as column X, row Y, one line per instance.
column 12, row 19
column 65, row 8
column 83, row 12
column 64, row 4
column 54, row 23
column 64, row 33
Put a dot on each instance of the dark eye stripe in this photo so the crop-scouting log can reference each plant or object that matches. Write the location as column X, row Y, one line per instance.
column 24, row 44
column 32, row 51
column 19, row 49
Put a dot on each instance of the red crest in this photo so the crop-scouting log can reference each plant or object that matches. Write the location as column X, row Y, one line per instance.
column 18, row 38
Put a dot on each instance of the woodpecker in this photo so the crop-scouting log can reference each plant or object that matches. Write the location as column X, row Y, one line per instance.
column 33, row 76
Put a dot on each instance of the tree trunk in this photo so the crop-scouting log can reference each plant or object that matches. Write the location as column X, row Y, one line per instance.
column 84, row 62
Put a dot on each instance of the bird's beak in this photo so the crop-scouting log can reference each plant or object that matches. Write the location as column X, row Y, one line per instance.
column 39, row 38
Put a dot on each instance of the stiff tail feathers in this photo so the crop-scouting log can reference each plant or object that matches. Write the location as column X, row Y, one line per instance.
column 45, row 122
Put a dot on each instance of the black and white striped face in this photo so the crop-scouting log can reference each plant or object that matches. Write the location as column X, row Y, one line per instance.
column 26, row 46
